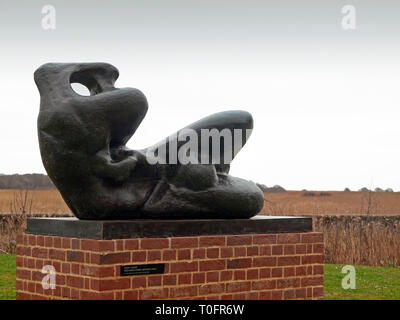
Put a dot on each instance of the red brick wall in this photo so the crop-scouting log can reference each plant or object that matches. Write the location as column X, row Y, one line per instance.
column 261, row 266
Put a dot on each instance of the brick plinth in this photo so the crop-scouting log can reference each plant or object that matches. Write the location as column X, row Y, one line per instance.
column 246, row 266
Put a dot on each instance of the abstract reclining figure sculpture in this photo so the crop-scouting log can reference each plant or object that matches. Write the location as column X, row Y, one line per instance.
column 83, row 147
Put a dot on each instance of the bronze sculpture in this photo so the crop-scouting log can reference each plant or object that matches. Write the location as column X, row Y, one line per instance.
column 83, row 148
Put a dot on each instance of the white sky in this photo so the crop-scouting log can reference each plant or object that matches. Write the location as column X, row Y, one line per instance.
column 325, row 101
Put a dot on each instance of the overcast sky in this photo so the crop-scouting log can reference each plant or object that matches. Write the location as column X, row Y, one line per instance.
column 325, row 101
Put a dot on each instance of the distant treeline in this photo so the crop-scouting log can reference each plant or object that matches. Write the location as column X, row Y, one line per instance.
column 25, row 181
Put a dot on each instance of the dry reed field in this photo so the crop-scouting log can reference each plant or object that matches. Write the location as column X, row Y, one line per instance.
column 360, row 240
column 17, row 205
column 359, row 227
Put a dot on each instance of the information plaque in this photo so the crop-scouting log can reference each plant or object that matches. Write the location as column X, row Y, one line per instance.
column 136, row 269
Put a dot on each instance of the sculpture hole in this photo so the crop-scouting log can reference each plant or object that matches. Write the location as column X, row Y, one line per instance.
column 80, row 89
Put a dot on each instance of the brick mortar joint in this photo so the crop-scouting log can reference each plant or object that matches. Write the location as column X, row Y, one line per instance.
column 252, row 236
column 184, row 284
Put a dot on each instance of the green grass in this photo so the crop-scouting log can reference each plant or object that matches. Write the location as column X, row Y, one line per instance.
column 372, row 283
column 7, row 276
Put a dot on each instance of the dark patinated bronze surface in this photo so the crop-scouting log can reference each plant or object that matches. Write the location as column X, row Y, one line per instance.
column 83, row 147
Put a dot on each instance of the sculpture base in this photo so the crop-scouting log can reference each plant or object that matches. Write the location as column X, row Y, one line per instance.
column 166, row 260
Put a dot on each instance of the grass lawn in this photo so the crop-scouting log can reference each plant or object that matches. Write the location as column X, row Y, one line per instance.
column 371, row 282
column 7, row 276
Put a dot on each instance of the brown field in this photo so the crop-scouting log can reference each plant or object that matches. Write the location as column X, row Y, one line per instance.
column 331, row 203
column 45, row 202
column 49, row 202
column 359, row 227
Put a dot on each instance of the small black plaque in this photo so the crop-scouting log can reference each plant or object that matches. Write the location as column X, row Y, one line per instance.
column 135, row 269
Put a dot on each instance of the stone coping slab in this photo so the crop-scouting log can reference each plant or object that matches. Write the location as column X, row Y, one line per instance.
column 123, row 229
